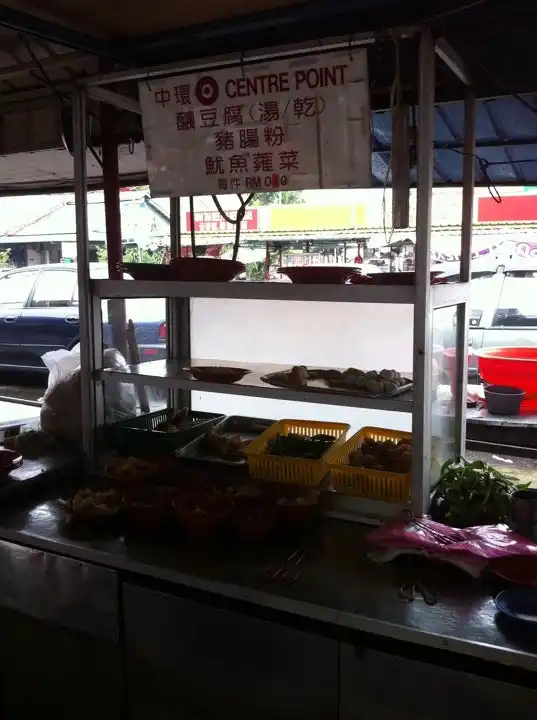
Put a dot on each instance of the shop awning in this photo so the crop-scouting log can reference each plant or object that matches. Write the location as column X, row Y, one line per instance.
column 506, row 142
column 46, row 45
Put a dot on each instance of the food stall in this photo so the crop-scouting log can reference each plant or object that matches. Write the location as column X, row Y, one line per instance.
column 201, row 565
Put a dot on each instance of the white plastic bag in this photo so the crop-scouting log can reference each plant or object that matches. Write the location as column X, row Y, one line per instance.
column 61, row 412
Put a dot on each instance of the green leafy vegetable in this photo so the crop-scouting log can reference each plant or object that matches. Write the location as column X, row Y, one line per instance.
column 472, row 493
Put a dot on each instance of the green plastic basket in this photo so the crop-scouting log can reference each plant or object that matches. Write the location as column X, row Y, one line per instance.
column 138, row 435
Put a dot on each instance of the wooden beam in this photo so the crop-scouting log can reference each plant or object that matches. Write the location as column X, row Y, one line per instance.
column 48, row 63
column 42, row 11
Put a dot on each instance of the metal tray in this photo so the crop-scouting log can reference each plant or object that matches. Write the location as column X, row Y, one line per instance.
column 320, row 386
column 247, row 428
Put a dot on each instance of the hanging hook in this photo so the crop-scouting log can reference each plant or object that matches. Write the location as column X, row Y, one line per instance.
column 131, row 146
column 351, row 38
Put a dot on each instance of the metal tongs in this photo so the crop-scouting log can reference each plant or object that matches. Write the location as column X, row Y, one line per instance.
column 289, row 571
column 442, row 538
column 409, row 591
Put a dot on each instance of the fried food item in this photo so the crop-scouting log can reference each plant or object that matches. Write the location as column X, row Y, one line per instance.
column 299, row 376
column 373, row 382
column 224, row 447
column 97, row 504
column 133, row 472
column 383, row 455
column 175, row 422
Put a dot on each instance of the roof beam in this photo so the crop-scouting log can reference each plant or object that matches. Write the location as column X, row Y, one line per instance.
column 112, row 98
column 72, row 58
column 448, row 55
column 63, row 35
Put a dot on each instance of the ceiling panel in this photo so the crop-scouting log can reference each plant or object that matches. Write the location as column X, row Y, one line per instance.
column 134, row 18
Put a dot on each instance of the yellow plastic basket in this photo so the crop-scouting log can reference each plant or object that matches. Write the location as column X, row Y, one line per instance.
column 297, row 471
column 362, row 482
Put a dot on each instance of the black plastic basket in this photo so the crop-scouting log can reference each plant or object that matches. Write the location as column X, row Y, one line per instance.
column 139, row 435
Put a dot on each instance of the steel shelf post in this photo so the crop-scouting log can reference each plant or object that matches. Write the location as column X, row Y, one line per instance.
column 87, row 350
column 463, row 316
column 423, row 308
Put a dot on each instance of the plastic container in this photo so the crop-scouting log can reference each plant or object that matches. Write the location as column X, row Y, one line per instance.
column 187, row 269
column 248, row 430
column 365, row 483
column 503, row 400
column 205, row 269
column 513, row 367
column 450, row 366
column 139, row 435
column 153, row 272
column 297, row 471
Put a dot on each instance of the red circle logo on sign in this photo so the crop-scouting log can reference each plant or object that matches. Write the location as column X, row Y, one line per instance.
column 207, row 90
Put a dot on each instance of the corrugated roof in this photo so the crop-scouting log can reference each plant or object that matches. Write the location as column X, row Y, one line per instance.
column 137, row 223
column 506, row 142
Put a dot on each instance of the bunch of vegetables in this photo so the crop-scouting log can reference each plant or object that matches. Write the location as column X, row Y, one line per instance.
column 296, row 445
column 472, row 493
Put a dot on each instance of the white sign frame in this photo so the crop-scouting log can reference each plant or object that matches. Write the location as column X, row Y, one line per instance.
column 294, row 124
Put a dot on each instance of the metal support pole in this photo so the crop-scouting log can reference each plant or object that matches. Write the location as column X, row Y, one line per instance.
column 421, row 426
column 463, row 318
column 178, row 313
column 112, row 210
column 468, row 177
column 400, row 166
column 87, row 390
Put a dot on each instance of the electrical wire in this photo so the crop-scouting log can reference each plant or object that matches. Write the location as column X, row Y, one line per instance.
column 395, row 99
column 453, row 11
column 44, row 77
column 237, row 221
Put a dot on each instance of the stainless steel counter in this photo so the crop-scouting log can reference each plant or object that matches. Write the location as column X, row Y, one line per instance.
column 337, row 585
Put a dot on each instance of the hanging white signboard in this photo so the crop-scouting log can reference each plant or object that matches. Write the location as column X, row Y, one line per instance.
column 285, row 125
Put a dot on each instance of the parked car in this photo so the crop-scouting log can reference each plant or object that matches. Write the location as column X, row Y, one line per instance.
column 39, row 312
column 503, row 309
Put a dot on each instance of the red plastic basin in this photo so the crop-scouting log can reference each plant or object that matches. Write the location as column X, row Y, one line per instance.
column 514, row 366
column 450, row 366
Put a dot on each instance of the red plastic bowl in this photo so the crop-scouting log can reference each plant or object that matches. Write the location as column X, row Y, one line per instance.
column 253, row 521
column 318, row 275
column 203, row 517
column 205, row 269
column 450, row 366
column 512, row 366
column 520, row 569
column 9, row 460
column 147, row 271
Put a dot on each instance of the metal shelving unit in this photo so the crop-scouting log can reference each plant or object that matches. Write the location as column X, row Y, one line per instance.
column 441, row 295
column 170, row 374
column 424, row 297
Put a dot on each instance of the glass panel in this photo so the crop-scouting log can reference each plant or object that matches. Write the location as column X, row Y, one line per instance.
column 16, row 287
column 149, row 344
column 329, row 335
column 517, row 306
column 443, row 383
column 54, row 288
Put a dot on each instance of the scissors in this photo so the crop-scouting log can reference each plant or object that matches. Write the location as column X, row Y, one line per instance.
column 410, row 591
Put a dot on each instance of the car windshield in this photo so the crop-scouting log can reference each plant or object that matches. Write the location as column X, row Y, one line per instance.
column 518, row 302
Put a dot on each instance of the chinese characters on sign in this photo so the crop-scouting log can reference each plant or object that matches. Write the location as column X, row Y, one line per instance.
column 212, row 221
column 290, row 124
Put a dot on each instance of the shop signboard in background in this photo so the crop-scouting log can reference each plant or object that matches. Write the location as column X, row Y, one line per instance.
column 512, row 208
column 294, row 124
column 212, row 221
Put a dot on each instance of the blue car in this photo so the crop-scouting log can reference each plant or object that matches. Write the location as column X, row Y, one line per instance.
column 39, row 312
